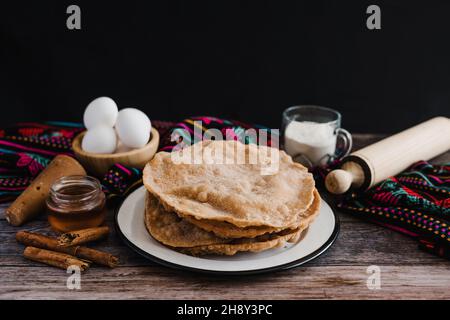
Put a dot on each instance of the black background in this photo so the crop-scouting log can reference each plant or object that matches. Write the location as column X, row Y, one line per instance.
column 242, row 59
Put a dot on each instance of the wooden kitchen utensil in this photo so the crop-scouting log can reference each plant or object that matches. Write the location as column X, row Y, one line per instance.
column 31, row 202
column 370, row 165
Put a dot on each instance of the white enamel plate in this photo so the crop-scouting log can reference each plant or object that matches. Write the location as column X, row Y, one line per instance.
column 316, row 240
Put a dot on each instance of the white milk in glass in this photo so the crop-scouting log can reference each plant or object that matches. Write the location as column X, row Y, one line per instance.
column 316, row 141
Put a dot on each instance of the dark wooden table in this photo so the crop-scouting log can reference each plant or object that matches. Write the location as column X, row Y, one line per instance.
column 340, row 273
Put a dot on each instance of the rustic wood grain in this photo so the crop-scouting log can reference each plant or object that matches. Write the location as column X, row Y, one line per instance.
column 340, row 273
column 152, row 282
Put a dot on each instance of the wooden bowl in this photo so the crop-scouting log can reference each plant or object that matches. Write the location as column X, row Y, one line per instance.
column 99, row 164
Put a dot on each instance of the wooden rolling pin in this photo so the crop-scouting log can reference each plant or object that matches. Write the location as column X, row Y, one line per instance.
column 370, row 165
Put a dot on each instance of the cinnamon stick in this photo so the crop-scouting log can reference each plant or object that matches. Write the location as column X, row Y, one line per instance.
column 49, row 243
column 55, row 259
column 73, row 238
column 98, row 257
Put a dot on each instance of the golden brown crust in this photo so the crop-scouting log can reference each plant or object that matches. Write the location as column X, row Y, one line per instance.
column 228, row 230
column 261, row 243
column 171, row 230
column 179, row 234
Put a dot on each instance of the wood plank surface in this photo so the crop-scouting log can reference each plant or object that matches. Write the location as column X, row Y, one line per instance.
column 340, row 273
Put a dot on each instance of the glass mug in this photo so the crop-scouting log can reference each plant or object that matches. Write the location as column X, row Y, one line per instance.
column 313, row 136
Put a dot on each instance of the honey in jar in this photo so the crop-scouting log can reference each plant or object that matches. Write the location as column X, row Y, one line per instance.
column 76, row 202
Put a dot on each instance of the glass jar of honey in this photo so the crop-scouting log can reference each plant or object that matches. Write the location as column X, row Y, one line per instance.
column 76, row 202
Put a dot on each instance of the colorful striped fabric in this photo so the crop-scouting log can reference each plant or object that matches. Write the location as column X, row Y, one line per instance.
column 27, row 148
column 184, row 132
column 415, row 203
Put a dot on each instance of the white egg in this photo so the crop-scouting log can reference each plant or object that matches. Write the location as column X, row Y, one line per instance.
column 133, row 127
column 101, row 111
column 100, row 139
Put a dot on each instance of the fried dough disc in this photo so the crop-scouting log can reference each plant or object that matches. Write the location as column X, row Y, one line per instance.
column 261, row 243
column 180, row 235
column 171, row 230
column 226, row 187
column 307, row 217
column 228, row 230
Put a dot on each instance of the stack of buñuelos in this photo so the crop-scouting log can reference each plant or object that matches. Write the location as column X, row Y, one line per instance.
column 223, row 197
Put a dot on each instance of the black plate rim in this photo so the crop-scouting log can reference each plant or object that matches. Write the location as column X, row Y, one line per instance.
column 293, row 264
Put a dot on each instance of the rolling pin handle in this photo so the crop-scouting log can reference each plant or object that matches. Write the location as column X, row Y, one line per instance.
column 338, row 181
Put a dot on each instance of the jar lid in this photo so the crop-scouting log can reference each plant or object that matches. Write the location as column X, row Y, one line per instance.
column 75, row 194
